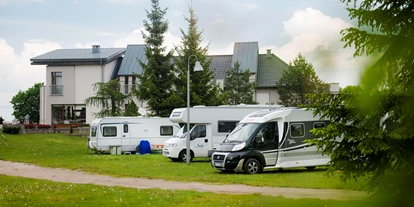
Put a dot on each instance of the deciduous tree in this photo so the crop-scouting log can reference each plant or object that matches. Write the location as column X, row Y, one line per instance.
column 27, row 103
column 300, row 79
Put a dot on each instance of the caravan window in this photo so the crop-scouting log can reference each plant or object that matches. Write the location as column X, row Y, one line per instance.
column 125, row 128
column 226, row 126
column 93, row 131
column 166, row 130
column 109, row 131
column 297, row 130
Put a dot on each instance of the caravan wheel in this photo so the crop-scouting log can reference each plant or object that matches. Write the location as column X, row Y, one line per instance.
column 183, row 156
column 252, row 166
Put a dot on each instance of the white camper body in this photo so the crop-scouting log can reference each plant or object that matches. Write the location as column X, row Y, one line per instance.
column 271, row 139
column 210, row 125
column 126, row 133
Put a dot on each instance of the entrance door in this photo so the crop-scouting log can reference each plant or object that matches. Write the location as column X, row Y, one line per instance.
column 126, row 137
column 266, row 141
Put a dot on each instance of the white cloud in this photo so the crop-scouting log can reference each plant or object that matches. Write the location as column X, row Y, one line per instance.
column 120, row 1
column 87, row 45
column 317, row 37
column 228, row 50
column 16, row 72
column 247, row 7
column 135, row 37
column 103, row 33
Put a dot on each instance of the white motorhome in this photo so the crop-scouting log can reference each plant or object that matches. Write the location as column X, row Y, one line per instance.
column 210, row 125
column 271, row 139
column 126, row 133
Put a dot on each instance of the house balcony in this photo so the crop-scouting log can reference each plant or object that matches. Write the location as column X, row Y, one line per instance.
column 56, row 90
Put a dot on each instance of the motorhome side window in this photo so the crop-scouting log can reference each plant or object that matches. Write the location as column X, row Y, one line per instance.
column 297, row 130
column 199, row 131
column 226, row 126
column 319, row 125
column 268, row 132
column 109, row 131
column 125, row 128
column 166, row 130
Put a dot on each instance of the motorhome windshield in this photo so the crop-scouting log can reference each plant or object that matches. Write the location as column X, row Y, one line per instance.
column 242, row 132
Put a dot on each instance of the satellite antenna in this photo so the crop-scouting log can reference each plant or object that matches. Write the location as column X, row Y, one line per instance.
column 142, row 111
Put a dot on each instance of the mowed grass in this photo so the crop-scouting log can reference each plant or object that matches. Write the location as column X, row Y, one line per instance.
column 63, row 151
column 16, row 191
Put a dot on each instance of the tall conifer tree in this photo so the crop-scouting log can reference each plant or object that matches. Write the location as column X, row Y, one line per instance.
column 156, row 81
column 237, row 86
column 204, row 90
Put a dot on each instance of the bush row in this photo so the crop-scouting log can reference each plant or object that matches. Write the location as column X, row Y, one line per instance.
column 11, row 129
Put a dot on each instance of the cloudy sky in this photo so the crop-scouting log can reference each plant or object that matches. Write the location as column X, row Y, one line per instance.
column 32, row 27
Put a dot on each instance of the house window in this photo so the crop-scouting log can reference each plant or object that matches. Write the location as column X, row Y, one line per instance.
column 166, row 130
column 126, row 85
column 56, row 88
column 109, row 131
column 226, row 126
column 133, row 82
column 68, row 114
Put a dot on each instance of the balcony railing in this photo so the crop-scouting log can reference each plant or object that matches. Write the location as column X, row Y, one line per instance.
column 56, row 90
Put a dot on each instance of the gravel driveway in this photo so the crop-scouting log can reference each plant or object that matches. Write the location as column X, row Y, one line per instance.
column 70, row 176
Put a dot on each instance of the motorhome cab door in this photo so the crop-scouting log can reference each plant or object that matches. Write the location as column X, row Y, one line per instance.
column 126, row 137
column 199, row 140
column 266, row 141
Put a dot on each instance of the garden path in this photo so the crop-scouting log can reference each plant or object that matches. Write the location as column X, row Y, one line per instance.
column 70, row 176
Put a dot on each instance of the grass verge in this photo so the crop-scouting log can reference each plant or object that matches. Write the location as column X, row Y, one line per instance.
column 17, row 191
column 62, row 151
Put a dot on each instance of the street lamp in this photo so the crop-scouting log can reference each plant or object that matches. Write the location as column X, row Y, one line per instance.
column 197, row 67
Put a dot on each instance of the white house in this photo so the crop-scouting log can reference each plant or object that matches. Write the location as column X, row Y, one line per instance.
column 70, row 74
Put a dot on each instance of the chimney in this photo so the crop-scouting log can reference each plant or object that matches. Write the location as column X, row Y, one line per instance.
column 269, row 53
column 96, row 49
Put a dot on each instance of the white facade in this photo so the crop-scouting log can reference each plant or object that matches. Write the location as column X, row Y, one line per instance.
column 77, row 85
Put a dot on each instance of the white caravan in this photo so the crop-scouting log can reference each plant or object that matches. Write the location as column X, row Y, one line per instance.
column 209, row 127
column 271, row 139
column 127, row 132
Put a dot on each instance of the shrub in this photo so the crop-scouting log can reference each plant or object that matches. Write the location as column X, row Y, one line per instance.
column 10, row 129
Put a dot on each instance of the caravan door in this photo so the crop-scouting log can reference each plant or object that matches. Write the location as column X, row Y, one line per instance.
column 266, row 141
column 126, row 137
column 199, row 141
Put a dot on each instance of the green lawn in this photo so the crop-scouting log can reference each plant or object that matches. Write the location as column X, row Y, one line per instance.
column 17, row 191
column 58, row 150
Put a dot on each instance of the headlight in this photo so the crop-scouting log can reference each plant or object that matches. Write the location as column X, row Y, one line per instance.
column 239, row 146
column 172, row 145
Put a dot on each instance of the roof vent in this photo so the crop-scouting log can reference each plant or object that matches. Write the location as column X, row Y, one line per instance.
column 96, row 49
column 269, row 53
